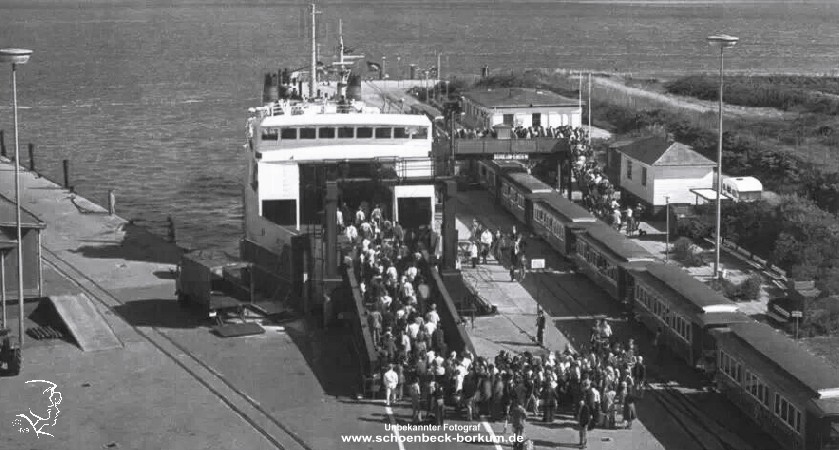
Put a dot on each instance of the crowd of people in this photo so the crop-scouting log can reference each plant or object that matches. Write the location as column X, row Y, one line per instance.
column 597, row 386
column 507, row 249
column 518, row 132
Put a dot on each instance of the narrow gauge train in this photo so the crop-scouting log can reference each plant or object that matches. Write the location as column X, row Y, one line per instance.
column 791, row 395
column 661, row 296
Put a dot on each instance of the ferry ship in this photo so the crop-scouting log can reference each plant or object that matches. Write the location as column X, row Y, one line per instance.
column 311, row 155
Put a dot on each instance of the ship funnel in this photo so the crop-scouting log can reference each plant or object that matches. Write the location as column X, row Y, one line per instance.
column 354, row 87
column 269, row 91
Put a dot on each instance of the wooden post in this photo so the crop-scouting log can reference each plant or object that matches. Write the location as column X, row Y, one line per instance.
column 31, row 157
column 3, row 143
column 66, row 165
column 171, row 226
column 112, row 202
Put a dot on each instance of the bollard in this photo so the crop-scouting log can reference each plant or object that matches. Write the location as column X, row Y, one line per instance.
column 31, row 157
column 3, row 143
column 66, row 164
column 171, row 225
column 112, row 202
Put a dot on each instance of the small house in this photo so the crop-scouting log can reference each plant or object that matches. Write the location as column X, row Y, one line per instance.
column 525, row 107
column 656, row 170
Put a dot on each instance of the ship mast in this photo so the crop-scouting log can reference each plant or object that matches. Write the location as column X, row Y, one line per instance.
column 313, row 75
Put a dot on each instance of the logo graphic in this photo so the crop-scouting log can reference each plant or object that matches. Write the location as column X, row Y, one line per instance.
column 36, row 422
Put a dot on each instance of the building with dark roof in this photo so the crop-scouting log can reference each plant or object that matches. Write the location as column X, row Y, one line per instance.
column 520, row 107
column 652, row 169
column 790, row 393
column 31, row 228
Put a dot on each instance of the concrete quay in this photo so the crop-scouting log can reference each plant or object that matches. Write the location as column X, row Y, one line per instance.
column 174, row 384
column 678, row 413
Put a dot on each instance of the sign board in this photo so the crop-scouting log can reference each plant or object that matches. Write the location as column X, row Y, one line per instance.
column 796, row 314
column 537, row 263
column 509, row 156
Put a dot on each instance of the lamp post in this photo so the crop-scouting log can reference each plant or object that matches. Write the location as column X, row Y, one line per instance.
column 667, row 234
column 17, row 56
column 722, row 41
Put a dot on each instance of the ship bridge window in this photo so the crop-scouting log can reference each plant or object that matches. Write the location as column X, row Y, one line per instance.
column 400, row 133
column 308, row 133
column 346, row 132
column 364, row 132
column 288, row 133
column 326, row 133
column 270, row 134
column 419, row 133
column 383, row 133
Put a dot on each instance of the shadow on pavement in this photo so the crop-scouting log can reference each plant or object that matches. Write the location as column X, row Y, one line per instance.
column 163, row 313
column 137, row 244
column 330, row 355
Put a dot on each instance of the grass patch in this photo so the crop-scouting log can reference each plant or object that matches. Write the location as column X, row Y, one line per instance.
column 807, row 94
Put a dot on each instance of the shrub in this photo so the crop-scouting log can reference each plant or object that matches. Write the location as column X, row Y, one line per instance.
column 685, row 251
column 694, row 228
column 750, row 287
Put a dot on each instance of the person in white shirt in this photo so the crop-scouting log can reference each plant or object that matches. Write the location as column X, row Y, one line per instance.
column 391, row 380
column 432, row 315
column 351, row 232
column 413, row 329
column 411, row 273
column 430, row 327
column 486, row 243
column 359, row 216
column 406, row 343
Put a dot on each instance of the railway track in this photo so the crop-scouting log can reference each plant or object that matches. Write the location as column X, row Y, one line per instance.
column 248, row 409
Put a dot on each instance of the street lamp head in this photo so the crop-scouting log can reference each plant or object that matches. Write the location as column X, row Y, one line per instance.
column 722, row 41
column 14, row 55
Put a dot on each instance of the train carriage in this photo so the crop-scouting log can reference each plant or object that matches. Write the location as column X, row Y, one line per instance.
column 684, row 308
column 604, row 256
column 518, row 191
column 789, row 393
column 555, row 218
column 491, row 171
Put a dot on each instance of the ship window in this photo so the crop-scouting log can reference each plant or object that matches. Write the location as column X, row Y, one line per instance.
column 281, row 212
column 288, row 133
column 307, row 133
column 346, row 132
column 383, row 133
column 326, row 133
column 364, row 132
column 269, row 134
column 400, row 133
column 420, row 133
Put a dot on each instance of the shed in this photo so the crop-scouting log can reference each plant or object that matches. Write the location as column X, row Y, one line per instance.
column 31, row 228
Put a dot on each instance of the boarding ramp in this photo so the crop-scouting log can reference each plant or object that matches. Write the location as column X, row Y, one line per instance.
column 84, row 322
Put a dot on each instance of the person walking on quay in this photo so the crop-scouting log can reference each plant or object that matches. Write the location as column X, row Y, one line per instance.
column 631, row 222
column 440, row 405
column 629, row 413
column 374, row 319
column 473, row 253
column 391, row 379
column 583, row 419
column 658, row 345
column 639, row 374
column 616, row 219
column 486, row 244
column 415, row 392
column 540, row 326
column 550, row 401
column 518, row 416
